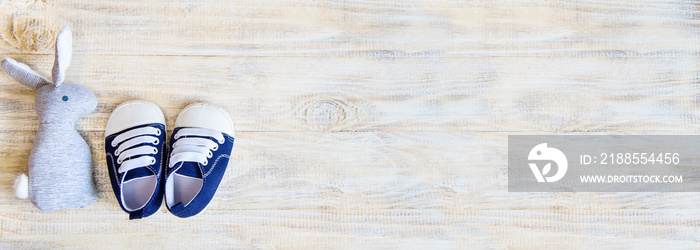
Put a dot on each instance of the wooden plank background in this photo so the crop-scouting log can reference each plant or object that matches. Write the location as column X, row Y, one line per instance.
column 360, row 123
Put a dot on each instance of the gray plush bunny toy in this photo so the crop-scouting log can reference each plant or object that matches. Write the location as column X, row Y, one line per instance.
column 60, row 163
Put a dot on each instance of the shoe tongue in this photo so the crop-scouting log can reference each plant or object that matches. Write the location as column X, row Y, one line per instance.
column 137, row 173
column 190, row 169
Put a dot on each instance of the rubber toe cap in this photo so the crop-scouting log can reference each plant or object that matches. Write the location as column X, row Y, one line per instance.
column 205, row 115
column 131, row 114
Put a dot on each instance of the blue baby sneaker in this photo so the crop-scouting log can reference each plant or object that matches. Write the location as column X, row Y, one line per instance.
column 135, row 145
column 200, row 148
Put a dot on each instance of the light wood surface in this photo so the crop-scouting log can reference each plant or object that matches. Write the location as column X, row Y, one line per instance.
column 367, row 124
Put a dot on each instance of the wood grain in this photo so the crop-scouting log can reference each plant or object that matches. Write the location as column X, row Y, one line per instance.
column 537, row 94
column 410, row 28
column 367, row 124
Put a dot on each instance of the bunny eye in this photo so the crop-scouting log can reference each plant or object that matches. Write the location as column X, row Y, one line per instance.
column 65, row 98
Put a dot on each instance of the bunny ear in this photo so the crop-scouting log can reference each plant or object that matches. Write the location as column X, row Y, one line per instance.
column 64, row 51
column 23, row 74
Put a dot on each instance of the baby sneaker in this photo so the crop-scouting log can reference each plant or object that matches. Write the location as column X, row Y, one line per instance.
column 200, row 147
column 134, row 144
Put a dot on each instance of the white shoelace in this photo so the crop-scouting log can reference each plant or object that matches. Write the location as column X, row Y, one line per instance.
column 195, row 149
column 127, row 155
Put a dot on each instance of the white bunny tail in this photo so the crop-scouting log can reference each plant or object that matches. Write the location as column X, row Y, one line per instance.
column 21, row 186
column 64, row 52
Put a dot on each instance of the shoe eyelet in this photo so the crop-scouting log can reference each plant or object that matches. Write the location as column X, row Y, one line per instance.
column 155, row 150
column 157, row 131
column 210, row 154
column 153, row 161
column 156, row 141
column 205, row 162
column 119, row 161
column 216, row 147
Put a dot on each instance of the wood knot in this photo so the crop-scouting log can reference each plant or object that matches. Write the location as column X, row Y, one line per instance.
column 328, row 113
column 30, row 33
